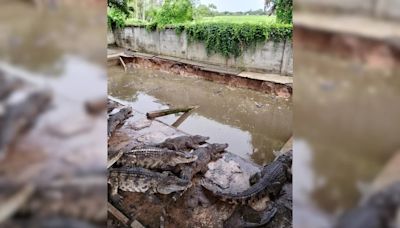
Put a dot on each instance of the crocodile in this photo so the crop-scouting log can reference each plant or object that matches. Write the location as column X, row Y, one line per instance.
column 204, row 155
column 142, row 180
column 8, row 85
column 183, row 142
column 379, row 210
column 238, row 218
column 111, row 105
column 20, row 113
column 117, row 119
column 155, row 158
column 273, row 177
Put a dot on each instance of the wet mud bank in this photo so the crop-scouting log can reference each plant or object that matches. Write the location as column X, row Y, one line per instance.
column 197, row 206
column 230, row 77
column 382, row 53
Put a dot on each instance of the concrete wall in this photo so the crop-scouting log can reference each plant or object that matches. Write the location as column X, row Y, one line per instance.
column 110, row 37
column 388, row 9
column 268, row 57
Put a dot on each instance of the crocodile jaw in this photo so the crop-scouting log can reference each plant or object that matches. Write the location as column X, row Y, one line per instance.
column 184, row 159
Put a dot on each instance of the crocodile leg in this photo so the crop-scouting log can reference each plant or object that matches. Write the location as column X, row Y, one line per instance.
column 114, row 196
column 191, row 145
column 255, row 178
column 267, row 217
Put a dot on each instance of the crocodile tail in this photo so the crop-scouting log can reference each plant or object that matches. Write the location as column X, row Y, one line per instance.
column 223, row 196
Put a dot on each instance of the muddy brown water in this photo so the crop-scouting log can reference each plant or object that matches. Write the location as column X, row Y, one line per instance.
column 346, row 127
column 252, row 123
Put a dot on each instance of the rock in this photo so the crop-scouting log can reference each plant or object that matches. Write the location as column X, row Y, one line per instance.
column 140, row 124
column 231, row 172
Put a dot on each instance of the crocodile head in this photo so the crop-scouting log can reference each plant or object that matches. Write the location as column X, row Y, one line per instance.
column 171, row 183
column 126, row 111
column 183, row 157
column 218, row 147
column 286, row 159
column 198, row 139
column 216, row 150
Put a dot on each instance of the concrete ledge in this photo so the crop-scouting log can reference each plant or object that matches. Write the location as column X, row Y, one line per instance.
column 371, row 42
column 267, row 77
column 349, row 24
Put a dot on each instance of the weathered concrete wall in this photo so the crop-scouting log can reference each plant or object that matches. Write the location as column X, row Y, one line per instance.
column 268, row 57
column 388, row 9
column 110, row 37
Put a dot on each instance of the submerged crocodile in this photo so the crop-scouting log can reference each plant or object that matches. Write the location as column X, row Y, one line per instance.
column 144, row 180
column 379, row 210
column 117, row 119
column 155, row 158
column 273, row 177
column 183, row 142
column 204, row 155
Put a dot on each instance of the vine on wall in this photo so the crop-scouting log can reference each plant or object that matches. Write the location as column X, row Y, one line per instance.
column 230, row 40
column 284, row 9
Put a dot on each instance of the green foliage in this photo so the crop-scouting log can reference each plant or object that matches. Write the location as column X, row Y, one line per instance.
column 151, row 26
column 251, row 19
column 231, row 39
column 284, row 9
column 204, row 11
column 121, row 5
column 179, row 29
column 115, row 17
column 173, row 12
column 241, row 13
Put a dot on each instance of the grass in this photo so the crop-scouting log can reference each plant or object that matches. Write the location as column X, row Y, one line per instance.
column 252, row 19
column 134, row 21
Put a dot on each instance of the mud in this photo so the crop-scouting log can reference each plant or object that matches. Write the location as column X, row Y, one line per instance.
column 218, row 75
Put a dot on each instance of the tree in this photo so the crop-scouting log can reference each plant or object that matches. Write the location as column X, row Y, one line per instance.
column 121, row 5
column 204, row 10
column 212, row 7
column 174, row 11
column 117, row 12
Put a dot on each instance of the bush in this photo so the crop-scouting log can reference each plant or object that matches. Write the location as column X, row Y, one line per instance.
column 284, row 9
column 173, row 12
column 115, row 18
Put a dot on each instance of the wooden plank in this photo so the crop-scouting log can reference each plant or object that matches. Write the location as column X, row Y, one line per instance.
column 117, row 214
column 183, row 117
column 8, row 208
column 123, row 63
column 388, row 175
column 165, row 112
column 288, row 145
